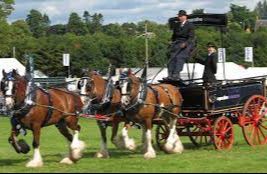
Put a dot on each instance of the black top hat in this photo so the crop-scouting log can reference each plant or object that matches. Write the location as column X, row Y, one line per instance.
column 211, row 44
column 182, row 13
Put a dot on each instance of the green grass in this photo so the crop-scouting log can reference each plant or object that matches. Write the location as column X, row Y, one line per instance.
column 241, row 158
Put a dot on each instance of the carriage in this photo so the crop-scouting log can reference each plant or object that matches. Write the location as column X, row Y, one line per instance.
column 209, row 112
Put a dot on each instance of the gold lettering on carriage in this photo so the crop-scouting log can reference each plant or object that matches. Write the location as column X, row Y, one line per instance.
column 223, row 98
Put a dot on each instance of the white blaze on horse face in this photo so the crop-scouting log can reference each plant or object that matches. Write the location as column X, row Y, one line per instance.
column 84, row 91
column 9, row 99
column 125, row 99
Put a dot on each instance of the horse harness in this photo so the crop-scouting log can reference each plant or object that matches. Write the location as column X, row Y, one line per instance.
column 105, row 101
column 21, row 111
column 142, row 98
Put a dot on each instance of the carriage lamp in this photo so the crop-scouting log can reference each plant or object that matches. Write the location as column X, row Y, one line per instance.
column 212, row 99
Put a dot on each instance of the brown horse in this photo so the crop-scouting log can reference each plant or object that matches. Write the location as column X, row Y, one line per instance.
column 44, row 108
column 103, row 98
column 143, row 103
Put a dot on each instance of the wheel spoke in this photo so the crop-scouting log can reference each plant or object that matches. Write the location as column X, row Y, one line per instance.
column 228, row 129
column 262, row 133
column 264, row 127
column 252, row 133
column 206, row 139
column 201, row 138
column 257, row 136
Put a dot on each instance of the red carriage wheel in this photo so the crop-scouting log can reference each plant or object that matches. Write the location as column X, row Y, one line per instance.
column 223, row 133
column 254, row 121
column 162, row 133
column 199, row 135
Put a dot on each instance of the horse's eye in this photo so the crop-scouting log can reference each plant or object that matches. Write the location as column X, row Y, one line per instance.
column 88, row 86
column 128, row 87
column 80, row 84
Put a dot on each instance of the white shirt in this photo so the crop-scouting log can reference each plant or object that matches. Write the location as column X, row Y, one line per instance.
column 182, row 24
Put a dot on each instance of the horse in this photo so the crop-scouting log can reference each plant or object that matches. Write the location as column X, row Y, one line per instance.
column 143, row 103
column 102, row 98
column 55, row 106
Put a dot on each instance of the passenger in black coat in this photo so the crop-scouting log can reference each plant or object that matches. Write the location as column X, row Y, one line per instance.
column 210, row 64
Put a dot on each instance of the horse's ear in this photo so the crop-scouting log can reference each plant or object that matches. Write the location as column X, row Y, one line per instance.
column 4, row 73
column 85, row 72
column 130, row 71
column 15, row 73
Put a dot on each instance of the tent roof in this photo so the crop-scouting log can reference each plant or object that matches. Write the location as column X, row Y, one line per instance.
column 8, row 64
column 232, row 71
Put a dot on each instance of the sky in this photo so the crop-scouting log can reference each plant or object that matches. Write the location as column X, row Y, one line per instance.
column 120, row 11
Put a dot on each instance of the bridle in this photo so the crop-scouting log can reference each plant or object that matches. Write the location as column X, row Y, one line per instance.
column 135, row 101
column 129, row 85
column 5, row 83
column 89, row 96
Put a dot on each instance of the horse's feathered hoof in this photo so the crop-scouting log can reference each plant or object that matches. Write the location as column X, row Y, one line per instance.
column 150, row 155
column 25, row 148
column 67, row 160
column 34, row 164
column 103, row 155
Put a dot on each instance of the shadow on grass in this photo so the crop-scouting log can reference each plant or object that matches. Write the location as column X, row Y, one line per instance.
column 114, row 153
column 9, row 162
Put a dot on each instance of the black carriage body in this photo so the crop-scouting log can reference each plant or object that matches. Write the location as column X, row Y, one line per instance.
column 230, row 95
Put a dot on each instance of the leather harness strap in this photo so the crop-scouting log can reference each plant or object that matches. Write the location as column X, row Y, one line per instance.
column 172, row 106
column 156, row 93
column 49, row 108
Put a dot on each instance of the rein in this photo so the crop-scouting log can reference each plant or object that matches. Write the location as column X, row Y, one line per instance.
column 33, row 104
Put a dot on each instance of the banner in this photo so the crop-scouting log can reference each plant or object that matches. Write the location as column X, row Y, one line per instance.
column 221, row 55
column 66, row 59
column 248, row 54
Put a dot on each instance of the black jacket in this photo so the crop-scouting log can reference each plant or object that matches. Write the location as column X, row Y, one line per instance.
column 185, row 33
column 210, row 68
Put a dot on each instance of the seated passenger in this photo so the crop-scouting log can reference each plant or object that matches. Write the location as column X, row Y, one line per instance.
column 210, row 64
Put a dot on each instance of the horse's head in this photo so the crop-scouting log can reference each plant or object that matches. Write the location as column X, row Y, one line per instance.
column 129, row 85
column 92, row 87
column 13, row 87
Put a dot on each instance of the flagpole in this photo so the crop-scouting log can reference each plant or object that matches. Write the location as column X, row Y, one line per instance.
column 224, row 54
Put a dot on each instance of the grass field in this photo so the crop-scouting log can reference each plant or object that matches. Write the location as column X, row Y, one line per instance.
column 241, row 158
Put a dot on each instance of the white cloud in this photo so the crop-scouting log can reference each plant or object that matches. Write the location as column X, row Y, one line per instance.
column 123, row 10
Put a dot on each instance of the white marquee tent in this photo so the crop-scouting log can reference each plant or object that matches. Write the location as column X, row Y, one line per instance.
column 232, row 71
column 8, row 64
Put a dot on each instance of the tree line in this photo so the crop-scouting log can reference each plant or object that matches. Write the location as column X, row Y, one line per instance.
column 93, row 44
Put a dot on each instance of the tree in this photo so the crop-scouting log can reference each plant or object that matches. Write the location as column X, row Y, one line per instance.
column 87, row 17
column 243, row 16
column 113, row 30
column 75, row 25
column 198, row 11
column 97, row 21
column 261, row 9
column 38, row 23
column 46, row 21
column 6, row 9
column 87, row 20
column 58, row 29
column 20, row 27
column 129, row 28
